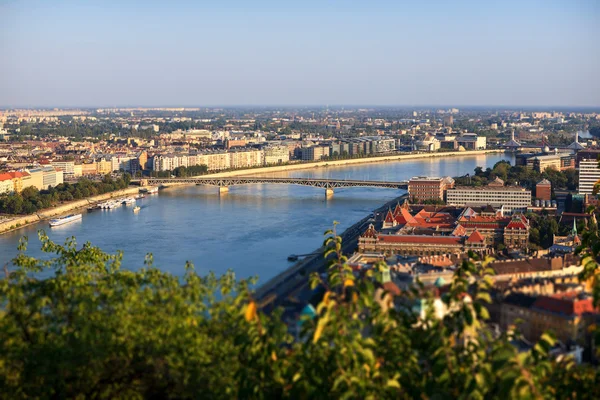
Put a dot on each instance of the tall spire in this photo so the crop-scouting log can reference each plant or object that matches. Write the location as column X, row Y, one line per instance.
column 574, row 231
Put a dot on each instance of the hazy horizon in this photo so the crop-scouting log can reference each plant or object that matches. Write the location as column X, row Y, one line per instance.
column 519, row 54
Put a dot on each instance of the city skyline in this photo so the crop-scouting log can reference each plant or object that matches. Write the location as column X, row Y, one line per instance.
column 519, row 54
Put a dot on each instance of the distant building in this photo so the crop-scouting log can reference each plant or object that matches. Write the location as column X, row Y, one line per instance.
column 426, row 188
column 428, row 143
column 67, row 167
column 314, row 153
column 589, row 174
column 559, row 162
column 470, row 141
column 44, row 178
column 543, row 190
column 229, row 143
column 6, row 183
column 568, row 315
column 103, row 166
column 276, row 154
column 511, row 198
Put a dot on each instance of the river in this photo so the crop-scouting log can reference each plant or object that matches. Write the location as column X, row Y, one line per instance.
column 251, row 230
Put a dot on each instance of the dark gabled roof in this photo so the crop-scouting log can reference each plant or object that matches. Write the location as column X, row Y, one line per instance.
column 520, row 300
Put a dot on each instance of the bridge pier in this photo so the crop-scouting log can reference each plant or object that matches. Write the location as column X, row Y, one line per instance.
column 223, row 189
column 328, row 193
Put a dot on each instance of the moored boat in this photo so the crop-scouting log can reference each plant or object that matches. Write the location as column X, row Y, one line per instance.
column 129, row 200
column 65, row 220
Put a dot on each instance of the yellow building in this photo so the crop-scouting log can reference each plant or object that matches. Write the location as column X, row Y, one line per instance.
column 78, row 170
column 88, row 168
column 103, row 167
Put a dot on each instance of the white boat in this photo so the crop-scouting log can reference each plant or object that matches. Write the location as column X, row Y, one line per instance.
column 129, row 200
column 136, row 209
column 109, row 205
column 65, row 220
column 153, row 190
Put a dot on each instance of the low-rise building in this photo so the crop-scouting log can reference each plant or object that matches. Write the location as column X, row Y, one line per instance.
column 470, row 141
column 510, row 198
column 423, row 188
column 543, row 190
column 568, row 315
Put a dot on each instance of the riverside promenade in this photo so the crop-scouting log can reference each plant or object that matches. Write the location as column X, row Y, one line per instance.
column 9, row 224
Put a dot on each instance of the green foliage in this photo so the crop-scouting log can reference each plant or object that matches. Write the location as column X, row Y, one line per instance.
column 520, row 175
column 78, row 325
column 543, row 229
column 31, row 199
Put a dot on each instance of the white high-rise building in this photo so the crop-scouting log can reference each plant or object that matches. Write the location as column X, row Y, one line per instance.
column 589, row 174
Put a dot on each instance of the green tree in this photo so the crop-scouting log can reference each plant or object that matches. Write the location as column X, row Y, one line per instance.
column 79, row 326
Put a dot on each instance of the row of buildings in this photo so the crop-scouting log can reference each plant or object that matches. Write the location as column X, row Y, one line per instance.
column 510, row 198
column 41, row 178
column 448, row 231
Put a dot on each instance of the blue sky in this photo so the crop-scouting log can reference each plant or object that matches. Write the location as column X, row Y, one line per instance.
column 150, row 53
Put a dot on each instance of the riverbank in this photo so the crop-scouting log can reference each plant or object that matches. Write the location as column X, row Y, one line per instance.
column 43, row 215
column 294, row 281
column 351, row 161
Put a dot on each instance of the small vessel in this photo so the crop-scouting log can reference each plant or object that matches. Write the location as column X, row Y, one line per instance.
column 109, row 205
column 136, row 209
column 65, row 220
column 129, row 200
column 140, row 196
column 153, row 190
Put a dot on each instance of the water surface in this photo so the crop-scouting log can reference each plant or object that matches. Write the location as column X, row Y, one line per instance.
column 252, row 229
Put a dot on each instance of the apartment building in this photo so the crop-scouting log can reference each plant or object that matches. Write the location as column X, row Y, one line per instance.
column 6, row 183
column 589, row 174
column 314, row 153
column 276, row 154
column 44, row 178
column 512, row 198
column 423, row 188
column 67, row 167
column 246, row 158
column 103, row 166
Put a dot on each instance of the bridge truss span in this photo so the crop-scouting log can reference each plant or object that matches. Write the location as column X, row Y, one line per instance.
column 328, row 184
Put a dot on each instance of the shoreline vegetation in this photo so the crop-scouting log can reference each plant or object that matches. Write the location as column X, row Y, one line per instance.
column 20, row 221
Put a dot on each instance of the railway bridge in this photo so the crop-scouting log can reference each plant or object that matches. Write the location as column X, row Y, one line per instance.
column 223, row 183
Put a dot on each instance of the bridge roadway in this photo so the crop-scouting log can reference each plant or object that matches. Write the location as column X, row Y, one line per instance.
column 223, row 183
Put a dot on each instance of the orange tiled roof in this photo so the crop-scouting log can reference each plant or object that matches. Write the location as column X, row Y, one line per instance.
column 476, row 237
column 566, row 304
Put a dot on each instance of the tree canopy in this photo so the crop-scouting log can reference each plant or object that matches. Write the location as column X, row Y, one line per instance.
column 77, row 324
column 31, row 199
